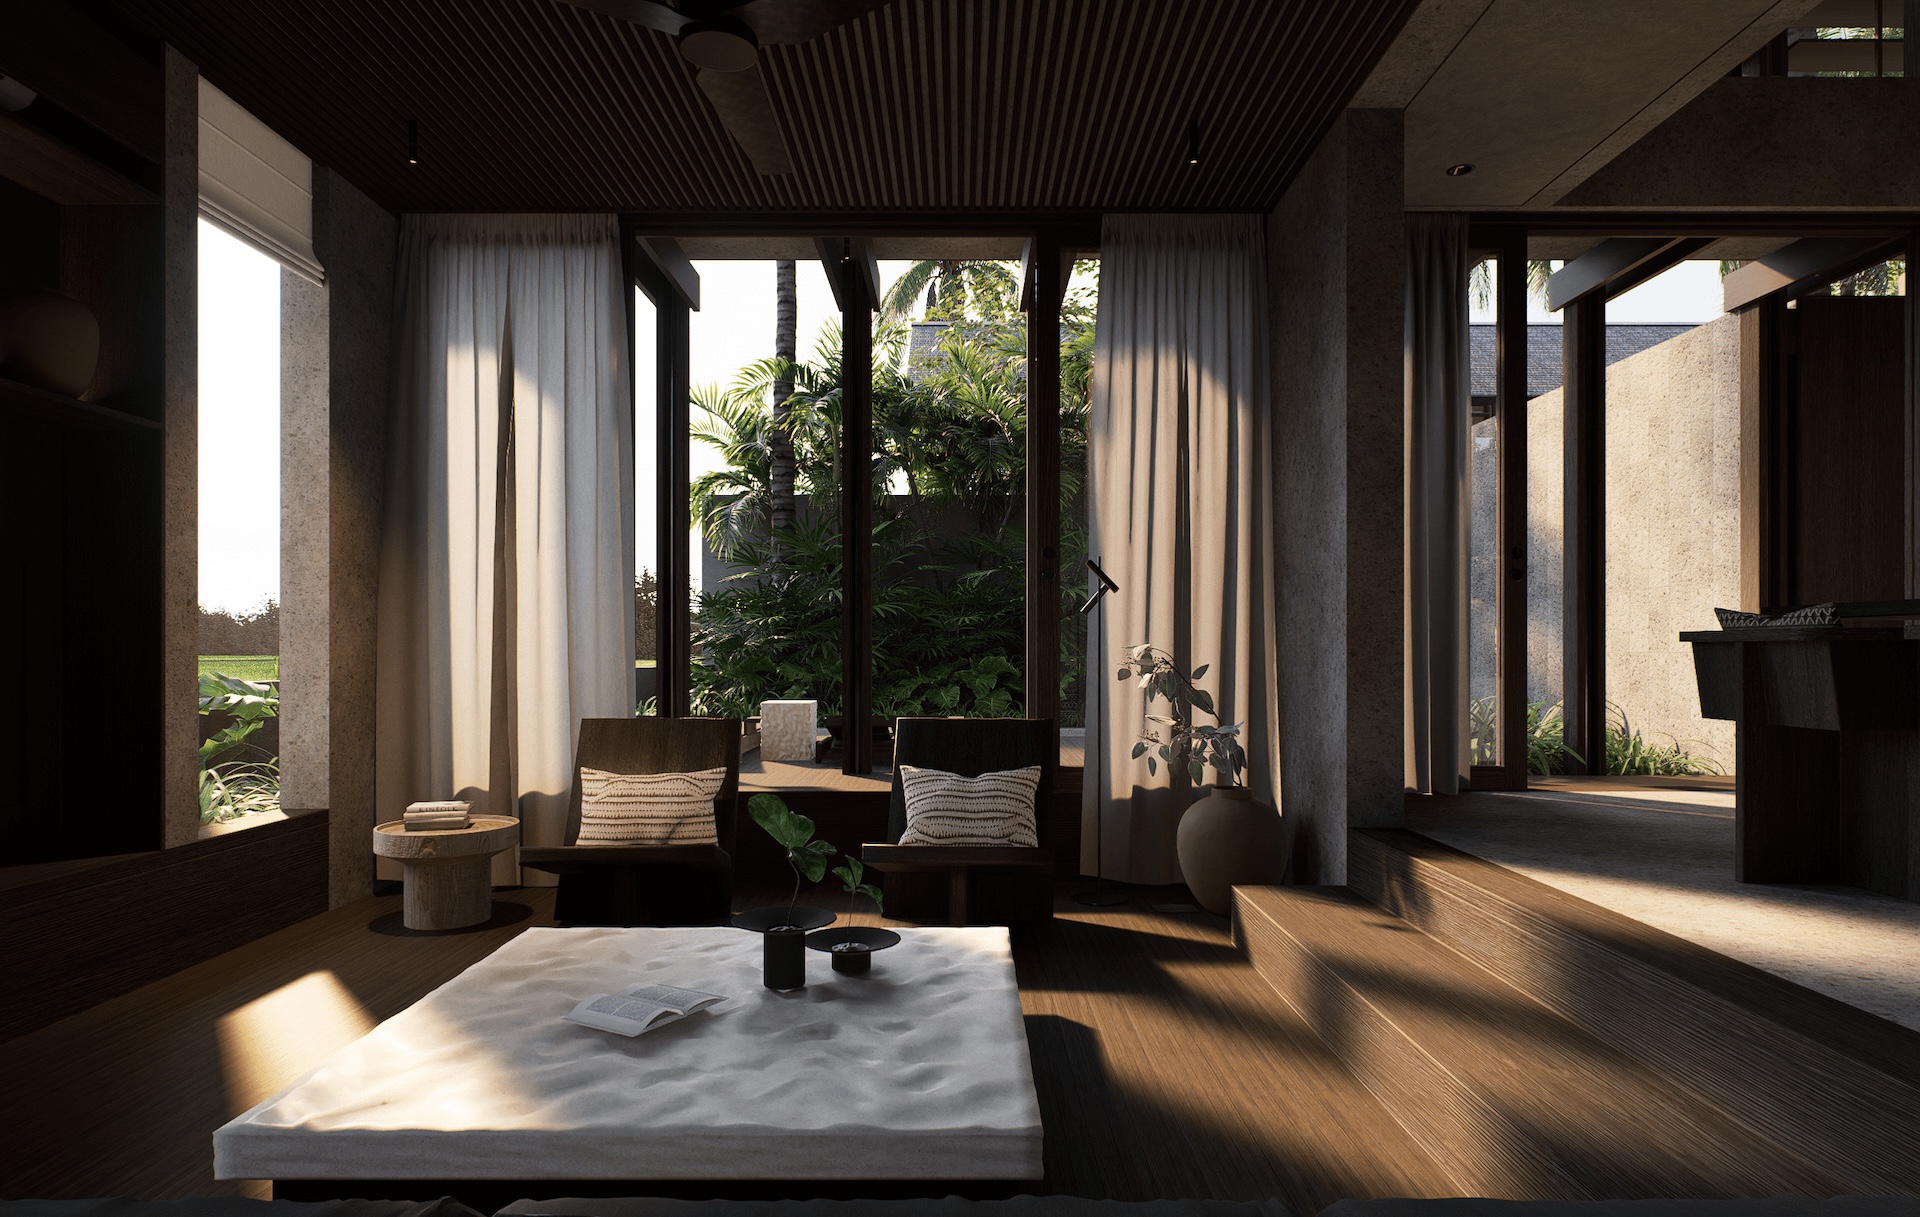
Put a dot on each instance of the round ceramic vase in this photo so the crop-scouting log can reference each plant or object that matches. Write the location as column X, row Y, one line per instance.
column 48, row 340
column 1228, row 838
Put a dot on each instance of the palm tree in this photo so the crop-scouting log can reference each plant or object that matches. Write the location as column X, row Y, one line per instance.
column 954, row 290
column 1480, row 281
column 780, row 440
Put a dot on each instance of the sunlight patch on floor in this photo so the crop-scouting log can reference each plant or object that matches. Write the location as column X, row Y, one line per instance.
column 273, row 1039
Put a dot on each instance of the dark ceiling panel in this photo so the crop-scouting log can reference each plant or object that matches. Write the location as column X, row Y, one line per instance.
column 919, row 106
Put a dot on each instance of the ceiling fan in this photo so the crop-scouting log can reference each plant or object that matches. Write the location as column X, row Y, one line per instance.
column 723, row 38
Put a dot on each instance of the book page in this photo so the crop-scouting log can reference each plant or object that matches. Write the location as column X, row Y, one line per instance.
column 638, row 1011
column 670, row 997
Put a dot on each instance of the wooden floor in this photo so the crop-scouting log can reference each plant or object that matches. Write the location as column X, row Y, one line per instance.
column 1164, row 1065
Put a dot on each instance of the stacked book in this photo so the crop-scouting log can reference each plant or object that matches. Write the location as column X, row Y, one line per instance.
column 438, row 817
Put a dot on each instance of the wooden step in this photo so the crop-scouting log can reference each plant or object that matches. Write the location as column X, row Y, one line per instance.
column 1515, row 1099
column 1802, row 1070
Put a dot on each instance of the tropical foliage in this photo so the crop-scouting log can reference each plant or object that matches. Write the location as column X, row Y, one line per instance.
column 1629, row 754
column 948, row 455
column 237, row 777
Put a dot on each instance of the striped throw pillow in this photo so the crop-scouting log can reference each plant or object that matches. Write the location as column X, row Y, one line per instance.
column 648, row 808
column 992, row 809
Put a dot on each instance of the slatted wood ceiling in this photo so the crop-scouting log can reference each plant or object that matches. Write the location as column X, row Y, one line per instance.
column 922, row 105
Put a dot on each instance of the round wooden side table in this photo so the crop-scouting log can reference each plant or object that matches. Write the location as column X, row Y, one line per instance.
column 447, row 872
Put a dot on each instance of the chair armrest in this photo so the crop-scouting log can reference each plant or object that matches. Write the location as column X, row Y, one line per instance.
column 941, row 857
column 572, row 859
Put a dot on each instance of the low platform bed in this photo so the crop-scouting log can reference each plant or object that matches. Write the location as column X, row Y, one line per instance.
column 916, row 1071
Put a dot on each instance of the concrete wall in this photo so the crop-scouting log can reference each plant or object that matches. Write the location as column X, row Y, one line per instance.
column 1770, row 143
column 180, row 504
column 357, row 242
column 1673, row 525
column 1673, row 532
column 305, row 597
column 1337, row 250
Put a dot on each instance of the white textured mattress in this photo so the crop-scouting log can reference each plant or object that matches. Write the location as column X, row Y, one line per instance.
column 917, row 1070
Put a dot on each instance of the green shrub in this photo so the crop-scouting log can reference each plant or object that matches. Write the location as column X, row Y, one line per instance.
column 237, row 778
column 1628, row 754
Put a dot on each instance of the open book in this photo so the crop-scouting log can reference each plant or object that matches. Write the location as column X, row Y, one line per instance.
column 639, row 1008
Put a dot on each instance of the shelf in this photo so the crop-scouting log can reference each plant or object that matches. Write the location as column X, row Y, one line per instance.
column 62, row 173
column 17, row 399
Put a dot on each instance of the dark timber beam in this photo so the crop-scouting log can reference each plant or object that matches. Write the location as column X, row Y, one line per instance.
column 666, row 256
column 1511, row 434
column 1803, row 266
column 1042, row 285
column 1509, row 244
column 673, row 609
column 1913, row 397
column 1584, row 588
column 852, row 271
column 1618, row 265
column 855, row 279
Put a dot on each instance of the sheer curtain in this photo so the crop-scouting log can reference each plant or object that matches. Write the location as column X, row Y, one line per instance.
column 1179, row 514
column 506, row 578
column 1437, row 432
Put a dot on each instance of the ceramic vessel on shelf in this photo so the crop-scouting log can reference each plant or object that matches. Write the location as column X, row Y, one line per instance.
column 48, row 341
column 1228, row 838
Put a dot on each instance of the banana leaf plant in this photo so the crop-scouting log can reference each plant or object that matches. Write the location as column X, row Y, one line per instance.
column 806, row 855
column 852, row 877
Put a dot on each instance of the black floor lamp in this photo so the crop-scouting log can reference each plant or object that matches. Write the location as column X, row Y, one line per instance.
column 1100, row 897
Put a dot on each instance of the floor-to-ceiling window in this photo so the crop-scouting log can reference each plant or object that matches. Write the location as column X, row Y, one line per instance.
column 764, row 360
column 948, row 451
column 239, row 539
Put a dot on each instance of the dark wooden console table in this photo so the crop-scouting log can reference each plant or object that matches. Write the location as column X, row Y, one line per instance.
column 1827, row 751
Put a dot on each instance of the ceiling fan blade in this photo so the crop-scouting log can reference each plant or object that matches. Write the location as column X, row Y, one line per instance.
column 745, row 110
column 641, row 12
column 785, row 22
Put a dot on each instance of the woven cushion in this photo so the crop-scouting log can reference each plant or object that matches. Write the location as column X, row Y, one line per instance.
column 648, row 808
column 947, row 809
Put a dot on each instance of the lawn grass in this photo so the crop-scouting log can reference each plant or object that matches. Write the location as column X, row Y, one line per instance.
column 244, row 667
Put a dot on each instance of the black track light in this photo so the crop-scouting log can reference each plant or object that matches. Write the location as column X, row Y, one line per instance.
column 413, row 141
column 1193, row 143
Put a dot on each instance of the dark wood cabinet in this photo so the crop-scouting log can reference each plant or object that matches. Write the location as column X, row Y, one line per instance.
column 1827, row 751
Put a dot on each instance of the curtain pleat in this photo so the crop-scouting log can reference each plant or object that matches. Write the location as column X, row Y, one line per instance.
column 1437, row 409
column 1178, row 514
column 507, row 561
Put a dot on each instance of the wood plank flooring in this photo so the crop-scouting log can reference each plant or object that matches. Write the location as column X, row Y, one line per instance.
column 1164, row 1065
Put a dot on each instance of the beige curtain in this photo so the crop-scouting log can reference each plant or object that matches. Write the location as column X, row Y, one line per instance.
column 506, row 579
column 1437, row 402
column 1179, row 514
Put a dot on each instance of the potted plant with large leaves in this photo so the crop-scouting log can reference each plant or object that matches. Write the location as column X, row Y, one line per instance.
column 1227, row 837
column 785, row 927
column 851, row 947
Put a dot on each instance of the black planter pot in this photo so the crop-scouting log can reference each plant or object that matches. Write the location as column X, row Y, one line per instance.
column 803, row 915
column 784, row 958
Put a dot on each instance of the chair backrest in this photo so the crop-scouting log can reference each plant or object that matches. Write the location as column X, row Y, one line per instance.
column 971, row 747
column 662, row 745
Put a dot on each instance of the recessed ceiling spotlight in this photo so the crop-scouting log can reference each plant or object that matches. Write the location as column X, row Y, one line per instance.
column 1460, row 170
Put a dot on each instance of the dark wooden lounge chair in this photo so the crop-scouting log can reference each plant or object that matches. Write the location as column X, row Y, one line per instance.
column 966, row 884
column 648, row 884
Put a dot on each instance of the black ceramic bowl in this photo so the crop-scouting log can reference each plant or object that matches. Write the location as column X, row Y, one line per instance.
column 804, row 916
column 851, row 947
